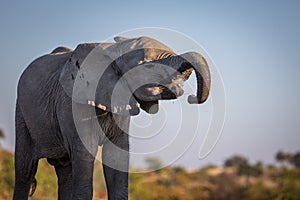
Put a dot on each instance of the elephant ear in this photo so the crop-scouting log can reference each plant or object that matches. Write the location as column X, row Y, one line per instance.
column 125, row 45
column 72, row 66
column 89, row 77
column 136, row 51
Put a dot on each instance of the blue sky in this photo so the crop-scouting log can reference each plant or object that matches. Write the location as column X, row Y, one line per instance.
column 255, row 45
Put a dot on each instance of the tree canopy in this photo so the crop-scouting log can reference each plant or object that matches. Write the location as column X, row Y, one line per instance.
column 1, row 134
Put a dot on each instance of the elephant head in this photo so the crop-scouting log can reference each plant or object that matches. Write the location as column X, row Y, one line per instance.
column 129, row 74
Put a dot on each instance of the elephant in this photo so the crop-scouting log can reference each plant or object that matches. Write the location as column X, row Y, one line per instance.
column 63, row 95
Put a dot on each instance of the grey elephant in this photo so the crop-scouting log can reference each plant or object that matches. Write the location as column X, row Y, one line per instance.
column 69, row 102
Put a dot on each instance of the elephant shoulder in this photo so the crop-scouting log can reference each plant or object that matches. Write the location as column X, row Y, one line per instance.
column 61, row 50
column 81, row 49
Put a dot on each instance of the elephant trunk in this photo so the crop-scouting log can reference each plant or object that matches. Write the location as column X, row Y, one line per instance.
column 182, row 63
column 203, row 77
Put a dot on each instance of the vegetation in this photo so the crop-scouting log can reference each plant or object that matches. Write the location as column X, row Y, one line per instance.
column 1, row 134
column 237, row 180
column 292, row 159
column 153, row 163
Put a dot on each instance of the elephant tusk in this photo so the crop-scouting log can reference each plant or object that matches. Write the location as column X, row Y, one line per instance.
column 91, row 103
column 121, row 108
column 128, row 107
column 116, row 109
column 103, row 107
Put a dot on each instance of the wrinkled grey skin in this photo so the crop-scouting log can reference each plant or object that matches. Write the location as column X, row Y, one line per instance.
column 45, row 127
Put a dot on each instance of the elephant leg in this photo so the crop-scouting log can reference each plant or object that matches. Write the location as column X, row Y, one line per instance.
column 115, row 158
column 25, row 162
column 63, row 169
column 82, row 173
column 64, row 174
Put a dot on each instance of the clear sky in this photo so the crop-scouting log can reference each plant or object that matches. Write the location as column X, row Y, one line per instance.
column 254, row 44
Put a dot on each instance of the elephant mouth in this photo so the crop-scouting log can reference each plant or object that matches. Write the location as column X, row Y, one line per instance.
column 149, row 94
column 166, row 89
column 170, row 88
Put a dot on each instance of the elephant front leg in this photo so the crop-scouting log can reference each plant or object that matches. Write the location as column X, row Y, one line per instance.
column 82, row 173
column 63, row 169
column 115, row 158
column 64, row 174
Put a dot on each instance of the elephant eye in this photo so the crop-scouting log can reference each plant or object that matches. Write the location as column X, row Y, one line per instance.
column 77, row 64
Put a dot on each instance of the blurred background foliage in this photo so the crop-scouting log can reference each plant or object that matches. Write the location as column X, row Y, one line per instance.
column 237, row 179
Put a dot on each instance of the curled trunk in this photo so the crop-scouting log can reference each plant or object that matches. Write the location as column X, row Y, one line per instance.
column 183, row 63
column 203, row 77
